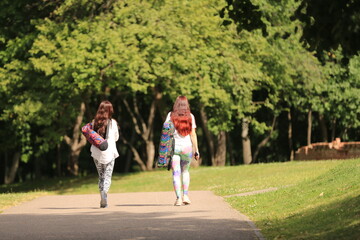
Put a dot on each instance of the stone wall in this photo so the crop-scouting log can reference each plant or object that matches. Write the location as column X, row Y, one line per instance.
column 332, row 150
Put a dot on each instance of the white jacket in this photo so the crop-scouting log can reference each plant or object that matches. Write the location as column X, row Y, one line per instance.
column 111, row 152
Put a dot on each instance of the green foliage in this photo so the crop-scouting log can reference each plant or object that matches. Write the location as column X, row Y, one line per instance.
column 342, row 92
column 296, row 73
column 245, row 14
column 139, row 47
column 22, row 95
column 330, row 24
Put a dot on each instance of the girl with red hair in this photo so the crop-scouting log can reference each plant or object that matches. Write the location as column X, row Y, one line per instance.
column 105, row 160
column 185, row 147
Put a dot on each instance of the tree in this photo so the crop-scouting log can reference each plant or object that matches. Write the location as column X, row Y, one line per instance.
column 330, row 24
column 137, row 49
column 291, row 76
column 341, row 96
column 72, row 57
column 21, row 101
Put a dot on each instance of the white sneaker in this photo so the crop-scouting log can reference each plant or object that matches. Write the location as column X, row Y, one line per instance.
column 186, row 200
column 178, row 202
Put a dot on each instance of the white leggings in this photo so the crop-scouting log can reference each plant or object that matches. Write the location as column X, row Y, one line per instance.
column 180, row 165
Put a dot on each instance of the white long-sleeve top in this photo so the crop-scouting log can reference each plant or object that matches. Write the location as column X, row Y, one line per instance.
column 111, row 152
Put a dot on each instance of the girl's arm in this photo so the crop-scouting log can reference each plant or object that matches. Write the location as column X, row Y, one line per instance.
column 194, row 141
column 116, row 129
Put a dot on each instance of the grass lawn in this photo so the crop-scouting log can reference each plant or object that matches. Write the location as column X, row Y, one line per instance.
column 326, row 206
column 315, row 200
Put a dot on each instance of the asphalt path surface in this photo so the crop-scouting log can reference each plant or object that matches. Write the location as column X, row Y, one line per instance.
column 129, row 216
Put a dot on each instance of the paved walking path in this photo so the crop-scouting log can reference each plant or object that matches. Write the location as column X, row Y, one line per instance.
column 129, row 216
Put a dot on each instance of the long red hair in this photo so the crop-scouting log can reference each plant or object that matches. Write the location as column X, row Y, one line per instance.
column 103, row 114
column 181, row 116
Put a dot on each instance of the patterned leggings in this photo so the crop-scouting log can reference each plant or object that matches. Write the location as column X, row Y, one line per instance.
column 105, row 173
column 180, row 167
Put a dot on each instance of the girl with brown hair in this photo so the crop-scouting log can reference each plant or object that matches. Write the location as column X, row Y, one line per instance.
column 105, row 160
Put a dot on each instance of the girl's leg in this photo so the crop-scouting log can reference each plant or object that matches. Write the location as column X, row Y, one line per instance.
column 176, row 169
column 100, row 170
column 108, row 170
column 105, row 174
column 186, row 156
column 185, row 165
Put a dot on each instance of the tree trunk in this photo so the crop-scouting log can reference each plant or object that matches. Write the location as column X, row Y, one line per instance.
column 3, row 165
column 163, row 109
column 58, row 160
column 333, row 130
column 144, row 130
column 150, row 152
column 10, row 174
column 231, row 150
column 76, row 143
column 135, row 153
column 37, row 167
column 264, row 141
column 324, row 132
column 220, row 155
column 129, row 154
column 208, row 136
column 309, row 127
column 246, row 142
column 291, row 148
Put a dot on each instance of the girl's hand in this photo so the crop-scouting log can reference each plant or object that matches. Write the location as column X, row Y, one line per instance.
column 197, row 155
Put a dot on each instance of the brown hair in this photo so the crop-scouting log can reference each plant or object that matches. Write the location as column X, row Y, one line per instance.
column 181, row 116
column 103, row 114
